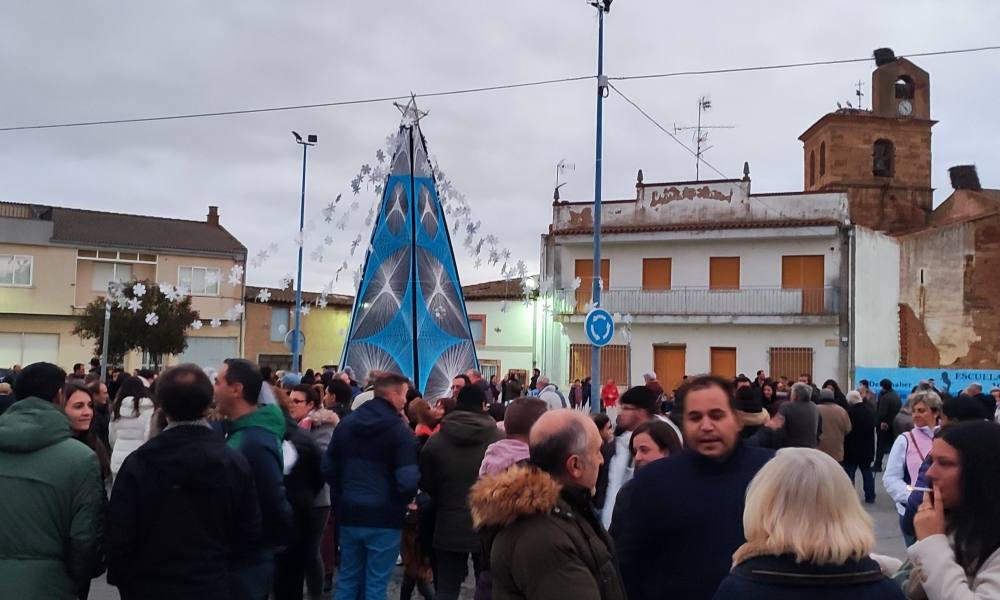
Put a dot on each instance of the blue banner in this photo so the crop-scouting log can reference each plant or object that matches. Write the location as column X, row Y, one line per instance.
column 952, row 381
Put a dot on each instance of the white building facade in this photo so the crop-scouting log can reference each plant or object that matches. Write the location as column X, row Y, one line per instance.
column 716, row 280
column 505, row 324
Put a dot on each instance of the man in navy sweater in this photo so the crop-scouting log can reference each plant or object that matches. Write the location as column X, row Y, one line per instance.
column 371, row 466
column 686, row 520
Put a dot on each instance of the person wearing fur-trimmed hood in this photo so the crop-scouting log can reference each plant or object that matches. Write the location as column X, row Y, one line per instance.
column 550, row 542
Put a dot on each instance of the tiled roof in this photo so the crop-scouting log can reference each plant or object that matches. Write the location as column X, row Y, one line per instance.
column 287, row 296
column 494, row 290
column 118, row 230
column 703, row 226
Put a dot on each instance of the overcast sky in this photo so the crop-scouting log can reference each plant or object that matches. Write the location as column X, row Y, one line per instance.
column 77, row 61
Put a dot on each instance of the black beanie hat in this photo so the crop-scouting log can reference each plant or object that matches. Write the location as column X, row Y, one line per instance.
column 748, row 400
column 642, row 397
column 471, row 397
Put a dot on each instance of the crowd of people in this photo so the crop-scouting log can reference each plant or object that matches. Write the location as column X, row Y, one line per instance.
column 246, row 483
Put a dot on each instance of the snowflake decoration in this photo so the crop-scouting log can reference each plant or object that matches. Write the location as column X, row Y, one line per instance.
column 355, row 244
column 122, row 301
column 356, row 185
column 299, row 239
column 139, row 289
column 478, row 263
column 321, row 302
column 317, row 254
column 521, row 269
column 328, row 212
column 196, row 325
column 215, row 324
column 380, row 155
column 152, row 319
column 503, row 306
column 236, row 275
column 272, row 248
column 133, row 304
column 305, row 310
column 169, row 292
column 263, row 295
column 366, row 169
column 575, row 284
column 627, row 319
column 354, row 206
column 211, row 277
column 328, row 240
column 342, row 223
column 285, row 281
column 237, row 310
column 357, row 277
column 258, row 259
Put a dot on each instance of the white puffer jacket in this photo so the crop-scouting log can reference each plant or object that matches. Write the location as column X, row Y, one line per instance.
column 129, row 432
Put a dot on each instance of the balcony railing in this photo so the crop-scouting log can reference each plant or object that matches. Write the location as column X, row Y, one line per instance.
column 757, row 301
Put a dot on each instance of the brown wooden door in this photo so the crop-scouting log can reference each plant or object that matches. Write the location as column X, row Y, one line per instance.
column 723, row 362
column 806, row 273
column 669, row 363
column 724, row 272
column 584, row 269
column 656, row 274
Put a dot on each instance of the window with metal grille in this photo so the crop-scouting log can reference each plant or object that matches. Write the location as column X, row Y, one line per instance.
column 791, row 362
column 488, row 368
column 614, row 363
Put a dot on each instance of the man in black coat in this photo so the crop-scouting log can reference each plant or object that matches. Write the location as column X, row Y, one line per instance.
column 449, row 465
column 686, row 517
column 889, row 405
column 859, row 444
column 183, row 508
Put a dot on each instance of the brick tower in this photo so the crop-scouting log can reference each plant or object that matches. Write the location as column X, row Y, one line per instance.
column 881, row 157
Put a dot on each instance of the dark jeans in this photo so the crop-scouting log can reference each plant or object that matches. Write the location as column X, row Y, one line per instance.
column 409, row 583
column 313, row 558
column 252, row 579
column 452, row 569
column 867, row 479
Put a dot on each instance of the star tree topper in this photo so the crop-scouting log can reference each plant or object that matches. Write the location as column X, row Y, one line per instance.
column 411, row 114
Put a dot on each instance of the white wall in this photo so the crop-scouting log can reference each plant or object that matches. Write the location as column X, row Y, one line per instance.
column 876, row 297
column 752, row 343
column 512, row 345
column 760, row 258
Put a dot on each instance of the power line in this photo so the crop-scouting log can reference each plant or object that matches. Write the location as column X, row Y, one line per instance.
column 248, row 111
column 474, row 90
column 815, row 63
column 666, row 131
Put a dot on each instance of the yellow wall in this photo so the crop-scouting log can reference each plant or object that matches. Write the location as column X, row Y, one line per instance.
column 53, row 276
column 325, row 331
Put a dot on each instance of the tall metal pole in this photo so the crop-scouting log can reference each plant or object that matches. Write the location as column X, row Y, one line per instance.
column 602, row 82
column 297, row 334
column 104, row 337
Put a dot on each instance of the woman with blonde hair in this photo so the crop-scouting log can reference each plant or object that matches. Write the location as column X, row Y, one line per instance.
column 807, row 536
column 909, row 452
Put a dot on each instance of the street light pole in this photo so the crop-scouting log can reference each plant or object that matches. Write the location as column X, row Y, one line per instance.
column 602, row 7
column 297, row 332
column 107, row 326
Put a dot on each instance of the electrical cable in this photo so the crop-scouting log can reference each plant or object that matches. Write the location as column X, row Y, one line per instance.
column 664, row 130
column 474, row 90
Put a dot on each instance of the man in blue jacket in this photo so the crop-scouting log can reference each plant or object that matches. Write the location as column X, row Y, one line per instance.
column 256, row 430
column 371, row 466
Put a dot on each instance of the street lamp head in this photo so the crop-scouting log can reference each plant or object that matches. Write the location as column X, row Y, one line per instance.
column 604, row 5
column 298, row 138
column 312, row 138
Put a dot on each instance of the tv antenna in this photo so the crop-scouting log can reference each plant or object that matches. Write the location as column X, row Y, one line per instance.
column 561, row 167
column 700, row 135
column 858, row 92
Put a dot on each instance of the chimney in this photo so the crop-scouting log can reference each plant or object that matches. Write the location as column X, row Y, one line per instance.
column 213, row 216
column 964, row 177
column 884, row 56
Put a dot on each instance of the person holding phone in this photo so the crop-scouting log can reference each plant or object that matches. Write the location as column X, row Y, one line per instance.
column 957, row 555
